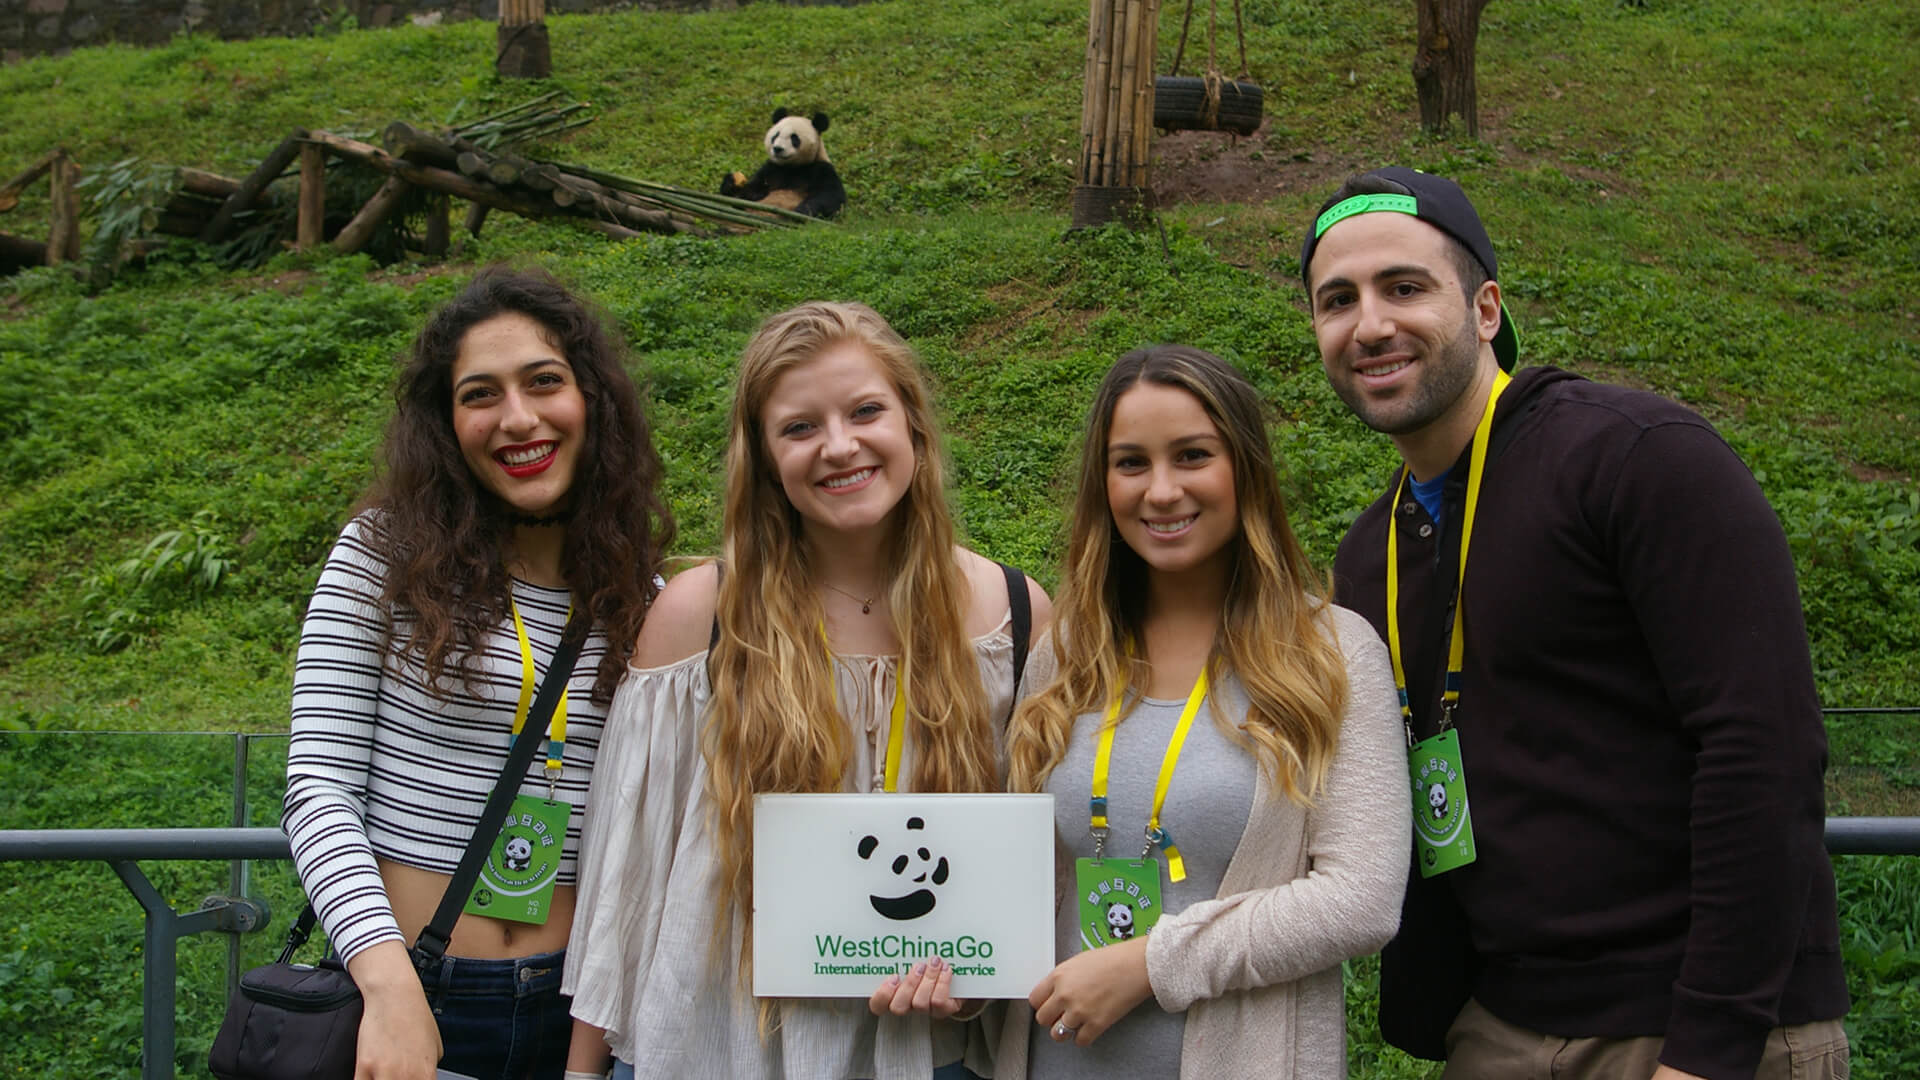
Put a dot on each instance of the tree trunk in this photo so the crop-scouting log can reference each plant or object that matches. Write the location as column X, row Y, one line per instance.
column 439, row 230
column 521, row 48
column 1443, row 63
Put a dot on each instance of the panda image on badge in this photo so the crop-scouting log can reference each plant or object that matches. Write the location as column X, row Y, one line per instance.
column 519, row 853
column 1120, row 920
column 1437, row 800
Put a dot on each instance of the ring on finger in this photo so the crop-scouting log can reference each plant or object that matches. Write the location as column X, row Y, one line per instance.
column 1061, row 1032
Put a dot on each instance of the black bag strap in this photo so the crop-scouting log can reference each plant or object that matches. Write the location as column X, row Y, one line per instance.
column 296, row 937
column 1020, row 608
column 432, row 944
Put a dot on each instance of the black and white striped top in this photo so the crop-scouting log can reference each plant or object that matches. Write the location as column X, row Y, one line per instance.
column 380, row 766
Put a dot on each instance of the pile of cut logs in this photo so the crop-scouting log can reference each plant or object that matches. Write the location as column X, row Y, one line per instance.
column 473, row 162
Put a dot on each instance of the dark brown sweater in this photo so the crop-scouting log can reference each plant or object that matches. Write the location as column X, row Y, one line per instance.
column 1642, row 739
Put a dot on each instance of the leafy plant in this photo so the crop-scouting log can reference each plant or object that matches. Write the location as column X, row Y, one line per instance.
column 124, row 200
column 126, row 601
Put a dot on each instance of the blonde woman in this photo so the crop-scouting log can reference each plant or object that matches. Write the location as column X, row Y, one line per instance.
column 775, row 669
column 1206, row 691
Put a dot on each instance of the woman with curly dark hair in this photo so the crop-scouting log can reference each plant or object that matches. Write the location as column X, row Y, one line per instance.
column 521, row 482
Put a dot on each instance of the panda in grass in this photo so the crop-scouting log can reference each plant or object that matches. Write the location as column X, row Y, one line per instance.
column 797, row 174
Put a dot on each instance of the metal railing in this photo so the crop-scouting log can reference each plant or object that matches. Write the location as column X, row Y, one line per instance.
column 235, row 913
column 238, row 915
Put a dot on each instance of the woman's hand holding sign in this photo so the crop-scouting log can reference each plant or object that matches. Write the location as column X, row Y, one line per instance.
column 1086, row 994
column 927, row 988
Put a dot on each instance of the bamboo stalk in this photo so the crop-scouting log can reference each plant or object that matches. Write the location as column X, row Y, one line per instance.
column 1121, row 127
column 1103, row 91
column 1143, row 96
column 311, row 225
column 622, row 183
column 1088, row 81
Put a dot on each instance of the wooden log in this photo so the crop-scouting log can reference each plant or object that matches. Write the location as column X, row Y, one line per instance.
column 505, row 170
column 250, row 188
column 476, row 217
column 438, row 227
column 360, row 229
column 472, row 163
column 63, row 239
column 190, row 205
column 541, row 177
column 203, row 183
column 310, row 229
column 17, row 252
column 406, row 141
column 10, row 194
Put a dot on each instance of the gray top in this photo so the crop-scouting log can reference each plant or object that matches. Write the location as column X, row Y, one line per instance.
column 1206, row 811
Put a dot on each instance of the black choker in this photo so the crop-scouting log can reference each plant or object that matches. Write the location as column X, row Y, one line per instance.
column 538, row 522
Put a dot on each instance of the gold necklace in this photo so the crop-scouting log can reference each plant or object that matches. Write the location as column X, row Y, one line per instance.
column 866, row 605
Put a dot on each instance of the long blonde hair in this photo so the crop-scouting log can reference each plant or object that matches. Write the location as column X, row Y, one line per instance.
column 774, row 725
column 1273, row 635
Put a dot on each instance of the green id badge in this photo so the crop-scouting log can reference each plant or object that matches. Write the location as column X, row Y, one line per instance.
column 516, row 882
column 1442, row 827
column 1119, row 899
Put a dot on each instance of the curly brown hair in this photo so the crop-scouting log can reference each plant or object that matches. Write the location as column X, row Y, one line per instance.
column 445, row 536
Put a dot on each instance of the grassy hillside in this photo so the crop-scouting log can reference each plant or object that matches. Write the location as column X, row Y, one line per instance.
column 1711, row 198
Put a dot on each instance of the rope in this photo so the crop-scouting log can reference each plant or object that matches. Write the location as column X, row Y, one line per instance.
column 1181, row 50
column 1240, row 28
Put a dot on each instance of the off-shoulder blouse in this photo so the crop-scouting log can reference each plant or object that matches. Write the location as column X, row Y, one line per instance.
column 642, row 962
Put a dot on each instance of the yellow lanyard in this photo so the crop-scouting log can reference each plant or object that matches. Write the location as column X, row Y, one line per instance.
column 1103, row 759
column 896, row 721
column 1457, row 647
column 557, row 730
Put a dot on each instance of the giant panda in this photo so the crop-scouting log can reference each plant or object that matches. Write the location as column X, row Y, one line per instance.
column 797, row 174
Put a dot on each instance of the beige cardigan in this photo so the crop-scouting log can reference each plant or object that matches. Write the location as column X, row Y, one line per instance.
column 1257, row 970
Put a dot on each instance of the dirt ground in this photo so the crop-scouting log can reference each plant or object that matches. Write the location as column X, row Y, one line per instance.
column 1216, row 167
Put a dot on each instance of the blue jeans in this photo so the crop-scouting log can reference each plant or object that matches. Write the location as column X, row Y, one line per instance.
column 501, row 1019
column 955, row 1071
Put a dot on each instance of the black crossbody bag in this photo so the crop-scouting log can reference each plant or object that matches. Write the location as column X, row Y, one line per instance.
column 291, row 1021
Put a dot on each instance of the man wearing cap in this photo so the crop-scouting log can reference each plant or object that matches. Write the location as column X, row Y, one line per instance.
column 1615, row 746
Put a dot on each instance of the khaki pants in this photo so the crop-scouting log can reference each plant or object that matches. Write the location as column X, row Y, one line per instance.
column 1481, row 1046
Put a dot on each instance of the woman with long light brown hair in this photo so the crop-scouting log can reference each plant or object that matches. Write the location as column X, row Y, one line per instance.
column 840, row 590
column 1205, row 689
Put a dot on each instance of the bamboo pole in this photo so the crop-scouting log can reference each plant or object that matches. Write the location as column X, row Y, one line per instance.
column 1121, row 163
column 1143, row 96
column 1089, row 86
column 63, row 241
column 1122, row 125
column 360, row 229
column 1099, row 90
column 311, row 228
column 250, row 188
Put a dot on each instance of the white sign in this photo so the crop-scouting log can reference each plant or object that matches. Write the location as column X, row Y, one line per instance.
column 848, row 889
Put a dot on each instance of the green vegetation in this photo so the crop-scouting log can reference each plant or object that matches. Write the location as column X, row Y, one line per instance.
column 1709, row 198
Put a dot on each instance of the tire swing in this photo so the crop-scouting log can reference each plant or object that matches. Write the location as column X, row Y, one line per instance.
column 1210, row 102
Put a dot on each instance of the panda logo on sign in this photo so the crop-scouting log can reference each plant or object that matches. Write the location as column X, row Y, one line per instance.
column 916, row 866
column 519, row 853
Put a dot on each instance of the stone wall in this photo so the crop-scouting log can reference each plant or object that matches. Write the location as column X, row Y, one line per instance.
column 54, row 27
